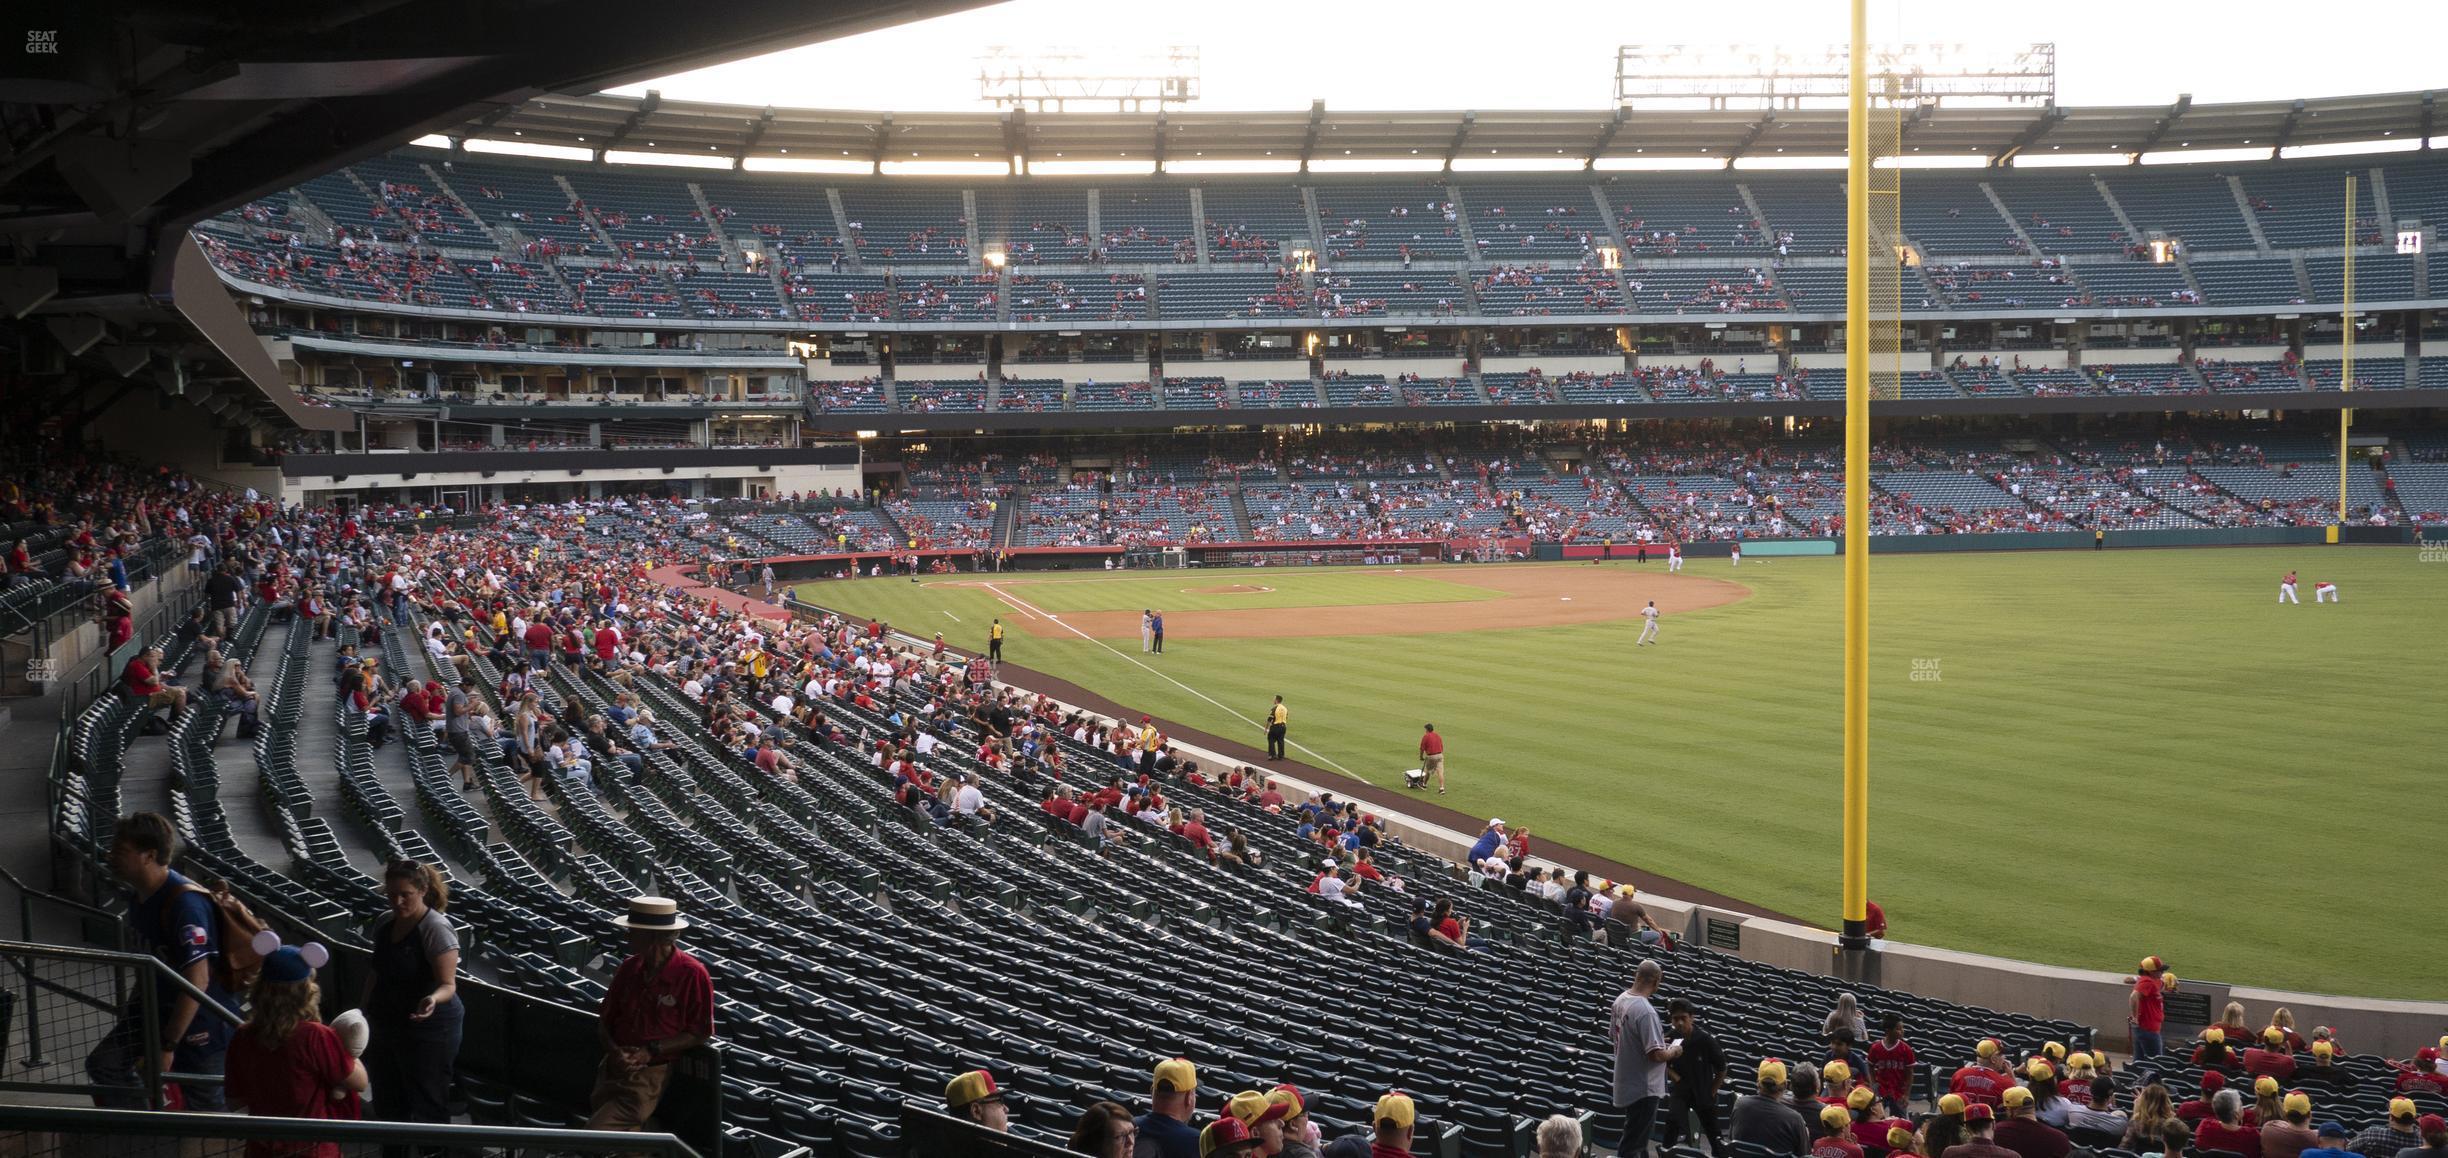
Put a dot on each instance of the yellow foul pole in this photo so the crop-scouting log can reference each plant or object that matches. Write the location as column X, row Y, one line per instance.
column 2346, row 361
column 1857, row 492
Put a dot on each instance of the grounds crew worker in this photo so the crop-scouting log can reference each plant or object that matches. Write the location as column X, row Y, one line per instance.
column 1277, row 717
column 994, row 642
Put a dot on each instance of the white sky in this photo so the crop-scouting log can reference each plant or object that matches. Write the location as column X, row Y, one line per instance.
column 1560, row 54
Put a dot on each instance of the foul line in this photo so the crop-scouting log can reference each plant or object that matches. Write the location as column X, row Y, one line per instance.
column 955, row 618
column 1120, row 654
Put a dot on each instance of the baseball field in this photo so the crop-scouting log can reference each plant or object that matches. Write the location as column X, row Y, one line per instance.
column 2077, row 757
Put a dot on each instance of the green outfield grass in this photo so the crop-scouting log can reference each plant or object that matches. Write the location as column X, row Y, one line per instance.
column 1189, row 590
column 2105, row 755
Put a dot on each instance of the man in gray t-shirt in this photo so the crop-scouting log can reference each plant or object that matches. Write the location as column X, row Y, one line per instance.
column 1641, row 1054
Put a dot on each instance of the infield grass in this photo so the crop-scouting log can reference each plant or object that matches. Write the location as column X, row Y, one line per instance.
column 2104, row 754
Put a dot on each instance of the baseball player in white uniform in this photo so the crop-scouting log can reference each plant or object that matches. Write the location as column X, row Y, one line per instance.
column 1738, row 552
column 2324, row 591
column 1674, row 558
column 2286, row 589
column 1147, row 630
column 1649, row 630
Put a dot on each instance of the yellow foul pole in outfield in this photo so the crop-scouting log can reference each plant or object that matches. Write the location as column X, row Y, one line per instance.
column 2346, row 361
column 1857, row 492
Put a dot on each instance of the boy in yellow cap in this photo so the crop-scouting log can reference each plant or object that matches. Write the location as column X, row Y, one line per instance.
column 975, row 1096
column 1835, row 1138
column 1226, row 1137
column 1263, row 1116
column 1299, row 1133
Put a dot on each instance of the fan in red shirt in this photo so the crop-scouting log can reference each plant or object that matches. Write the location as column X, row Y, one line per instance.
column 1891, row 1065
column 2271, row 1057
column 1984, row 1082
column 1195, row 831
column 607, row 643
column 2197, row 1109
column 2424, row 1072
column 2224, row 1129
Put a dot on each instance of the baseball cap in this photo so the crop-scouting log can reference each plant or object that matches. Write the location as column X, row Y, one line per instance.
column 2323, row 1049
column 2402, row 1109
column 2264, row 1085
column 1951, row 1105
column 2054, row 1051
column 2212, row 1081
column 2431, row 1124
column 1772, row 1070
column 1175, row 1076
column 2426, row 1054
column 971, row 1088
column 1989, row 1047
column 1898, row 1137
column 1395, row 1107
column 1225, row 1135
column 2016, row 1097
column 2038, row 1068
column 1860, row 1098
column 1253, row 1107
column 1496, row 822
column 2080, row 1063
column 2214, row 1035
column 2297, row 1102
column 2152, row 964
column 1835, row 1071
column 1836, row 1117
column 1978, row 1112
column 1289, row 1097
column 2274, row 1035
column 2334, row 1130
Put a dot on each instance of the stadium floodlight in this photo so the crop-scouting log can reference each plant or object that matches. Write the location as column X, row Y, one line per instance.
column 995, row 258
column 1751, row 76
column 1122, row 80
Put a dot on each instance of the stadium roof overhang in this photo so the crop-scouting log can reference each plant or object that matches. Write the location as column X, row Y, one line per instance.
column 1994, row 134
column 123, row 123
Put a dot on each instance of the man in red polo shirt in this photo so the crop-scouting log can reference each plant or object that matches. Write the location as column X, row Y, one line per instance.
column 659, row 1006
column 1195, row 831
column 1432, row 756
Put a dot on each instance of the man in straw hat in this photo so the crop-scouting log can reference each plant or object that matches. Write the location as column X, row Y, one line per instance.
column 660, row 1006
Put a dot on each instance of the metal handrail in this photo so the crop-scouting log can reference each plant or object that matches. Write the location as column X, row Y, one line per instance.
column 142, row 962
column 462, row 1139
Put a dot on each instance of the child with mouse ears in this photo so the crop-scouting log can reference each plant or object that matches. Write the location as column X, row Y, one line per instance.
column 284, row 1062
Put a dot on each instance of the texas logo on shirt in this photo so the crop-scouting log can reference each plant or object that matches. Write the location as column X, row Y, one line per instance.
column 195, row 935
